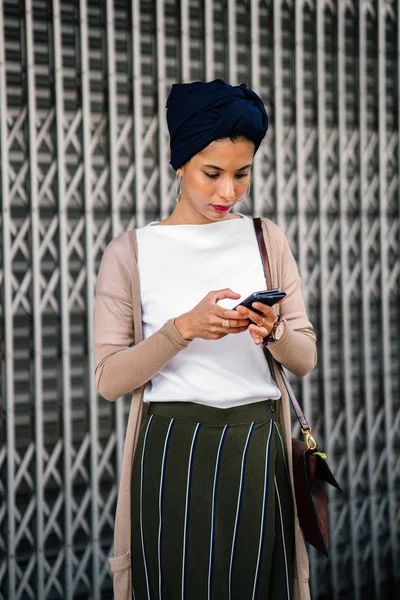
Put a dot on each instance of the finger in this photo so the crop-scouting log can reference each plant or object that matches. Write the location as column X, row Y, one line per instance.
column 232, row 315
column 257, row 340
column 242, row 311
column 234, row 318
column 227, row 313
column 225, row 293
column 236, row 323
column 257, row 336
column 267, row 312
column 252, row 315
column 242, row 323
column 260, row 331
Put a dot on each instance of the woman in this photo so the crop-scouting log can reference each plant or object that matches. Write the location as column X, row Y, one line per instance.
column 210, row 511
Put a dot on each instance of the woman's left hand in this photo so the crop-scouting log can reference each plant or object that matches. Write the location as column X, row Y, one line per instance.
column 263, row 323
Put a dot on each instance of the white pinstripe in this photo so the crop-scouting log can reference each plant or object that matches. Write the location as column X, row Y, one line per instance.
column 186, row 509
column 141, row 504
column 238, row 507
column 263, row 507
column 212, row 513
column 160, row 506
column 283, row 448
column 283, row 540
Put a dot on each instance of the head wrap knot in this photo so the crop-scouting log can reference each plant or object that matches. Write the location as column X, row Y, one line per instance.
column 199, row 113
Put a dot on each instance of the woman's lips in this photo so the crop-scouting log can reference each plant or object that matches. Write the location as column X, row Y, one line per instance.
column 220, row 208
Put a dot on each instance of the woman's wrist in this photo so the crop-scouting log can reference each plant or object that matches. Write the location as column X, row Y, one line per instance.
column 182, row 325
column 277, row 332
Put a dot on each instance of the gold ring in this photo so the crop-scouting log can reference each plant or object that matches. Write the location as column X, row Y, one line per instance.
column 225, row 323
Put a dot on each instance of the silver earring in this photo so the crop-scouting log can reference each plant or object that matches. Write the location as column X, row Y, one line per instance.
column 178, row 187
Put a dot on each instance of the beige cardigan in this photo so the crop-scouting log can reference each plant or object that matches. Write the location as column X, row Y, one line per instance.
column 125, row 362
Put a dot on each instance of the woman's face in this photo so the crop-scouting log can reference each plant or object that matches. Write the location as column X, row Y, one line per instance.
column 218, row 176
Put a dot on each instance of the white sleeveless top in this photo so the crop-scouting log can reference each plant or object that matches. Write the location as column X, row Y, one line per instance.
column 178, row 266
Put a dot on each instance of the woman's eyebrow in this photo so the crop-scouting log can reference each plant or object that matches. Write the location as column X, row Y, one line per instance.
column 219, row 168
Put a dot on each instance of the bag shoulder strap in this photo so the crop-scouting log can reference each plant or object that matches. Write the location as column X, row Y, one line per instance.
column 270, row 359
column 263, row 251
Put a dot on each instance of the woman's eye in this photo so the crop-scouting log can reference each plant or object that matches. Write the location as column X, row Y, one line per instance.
column 215, row 175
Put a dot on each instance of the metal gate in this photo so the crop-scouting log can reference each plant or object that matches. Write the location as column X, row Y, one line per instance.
column 84, row 155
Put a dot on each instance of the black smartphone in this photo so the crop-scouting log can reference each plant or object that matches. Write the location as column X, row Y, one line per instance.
column 269, row 297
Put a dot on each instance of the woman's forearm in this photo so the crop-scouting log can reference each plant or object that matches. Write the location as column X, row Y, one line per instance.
column 296, row 351
column 122, row 370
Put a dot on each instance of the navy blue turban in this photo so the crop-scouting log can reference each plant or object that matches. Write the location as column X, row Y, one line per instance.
column 199, row 113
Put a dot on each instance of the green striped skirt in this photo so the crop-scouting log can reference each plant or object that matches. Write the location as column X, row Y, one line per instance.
column 212, row 507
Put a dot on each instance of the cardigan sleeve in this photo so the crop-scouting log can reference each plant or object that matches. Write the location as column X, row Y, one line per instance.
column 296, row 350
column 120, row 365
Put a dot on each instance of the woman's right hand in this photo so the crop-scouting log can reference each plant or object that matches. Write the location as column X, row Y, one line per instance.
column 205, row 319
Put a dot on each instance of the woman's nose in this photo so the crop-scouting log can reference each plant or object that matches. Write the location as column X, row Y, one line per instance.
column 227, row 189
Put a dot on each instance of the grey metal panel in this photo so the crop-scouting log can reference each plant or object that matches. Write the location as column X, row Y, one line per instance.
column 36, row 501
column 385, row 474
column 278, row 105
column 184, row 41
column 257, row 182
column 209, row 39
column 8, row 451
column 66, row 493
column 93, row 191
column 84, row 154
column 345, row 239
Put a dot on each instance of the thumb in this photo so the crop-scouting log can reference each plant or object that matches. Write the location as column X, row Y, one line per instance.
column 225, row 293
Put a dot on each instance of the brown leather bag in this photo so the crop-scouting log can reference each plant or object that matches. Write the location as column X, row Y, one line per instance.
column 310, row 469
